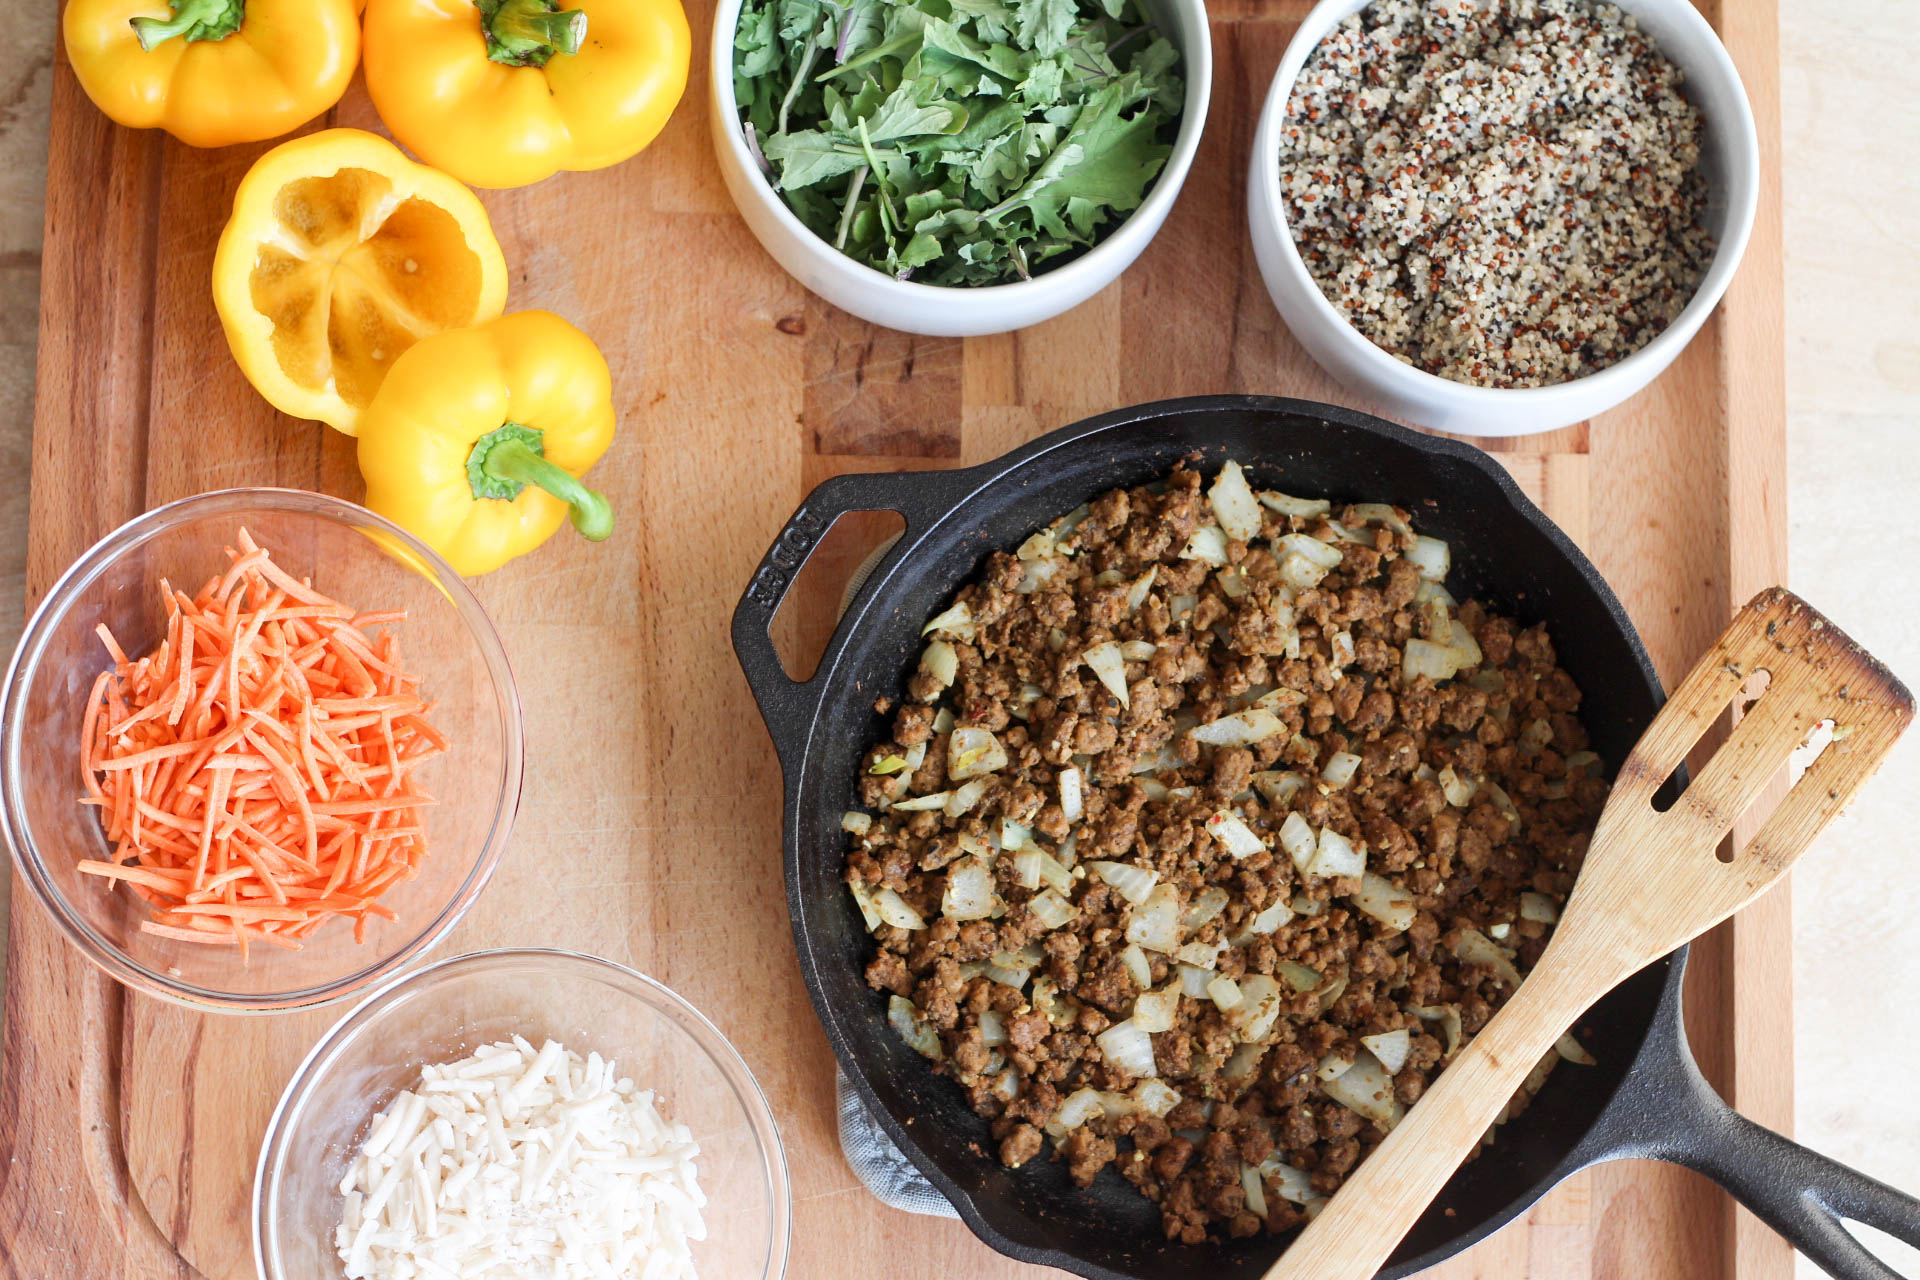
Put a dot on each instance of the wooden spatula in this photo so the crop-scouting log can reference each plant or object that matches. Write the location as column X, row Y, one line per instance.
column 1651, row 881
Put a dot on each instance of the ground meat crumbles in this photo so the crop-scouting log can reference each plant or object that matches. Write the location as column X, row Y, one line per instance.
column 1209, row 828
column 1501, row 192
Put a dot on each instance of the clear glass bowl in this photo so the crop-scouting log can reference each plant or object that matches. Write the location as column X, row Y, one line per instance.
column 359, row 559
column 447, row 1010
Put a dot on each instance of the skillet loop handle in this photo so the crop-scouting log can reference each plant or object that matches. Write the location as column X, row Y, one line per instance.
column 1799, row 1193
column 790, row 706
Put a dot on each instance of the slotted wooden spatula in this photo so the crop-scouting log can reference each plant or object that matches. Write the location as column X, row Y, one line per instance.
column 1651, row 882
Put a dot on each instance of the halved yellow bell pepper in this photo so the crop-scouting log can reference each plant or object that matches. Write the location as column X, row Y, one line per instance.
column 341, row 254
column 478, row 438
column 501, row 93
column 213, row 72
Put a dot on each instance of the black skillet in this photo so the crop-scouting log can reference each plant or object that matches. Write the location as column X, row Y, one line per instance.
column 1645, row 1099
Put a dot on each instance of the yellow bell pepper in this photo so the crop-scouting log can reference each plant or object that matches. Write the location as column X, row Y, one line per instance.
column 501, row 93
column 478, row 438
column 340, row 254
column 213, row 72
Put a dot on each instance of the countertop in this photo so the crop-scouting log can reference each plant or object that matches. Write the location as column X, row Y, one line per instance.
column 1852, row 192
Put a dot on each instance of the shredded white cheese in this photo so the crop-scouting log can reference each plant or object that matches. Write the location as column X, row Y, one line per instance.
column 534, row 1165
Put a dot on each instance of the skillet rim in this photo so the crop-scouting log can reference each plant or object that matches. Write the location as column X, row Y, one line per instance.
column 949, row 491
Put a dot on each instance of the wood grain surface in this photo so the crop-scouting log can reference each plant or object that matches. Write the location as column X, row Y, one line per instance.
column 129, row 1129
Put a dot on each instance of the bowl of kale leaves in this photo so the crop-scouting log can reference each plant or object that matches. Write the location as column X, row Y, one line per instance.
column 957, row 167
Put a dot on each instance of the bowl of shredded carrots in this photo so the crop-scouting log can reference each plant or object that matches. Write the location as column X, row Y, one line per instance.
column 258, row 749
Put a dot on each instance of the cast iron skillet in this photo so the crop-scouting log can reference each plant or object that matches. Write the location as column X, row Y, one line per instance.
column 1645, row 1099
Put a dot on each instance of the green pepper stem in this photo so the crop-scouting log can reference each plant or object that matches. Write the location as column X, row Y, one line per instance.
column 192, row 20
column 529, row 32
column 513, row 462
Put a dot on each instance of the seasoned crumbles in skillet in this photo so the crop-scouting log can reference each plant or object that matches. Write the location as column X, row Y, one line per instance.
column 1208, row 829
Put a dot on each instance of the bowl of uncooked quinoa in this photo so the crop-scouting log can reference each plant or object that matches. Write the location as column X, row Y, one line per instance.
column 1498, row 217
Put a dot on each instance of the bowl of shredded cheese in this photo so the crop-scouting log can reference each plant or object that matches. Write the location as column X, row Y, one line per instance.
column 522, row 1113
column 259, row 750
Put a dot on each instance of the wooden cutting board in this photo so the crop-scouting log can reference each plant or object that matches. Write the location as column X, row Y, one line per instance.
column 130, row 1128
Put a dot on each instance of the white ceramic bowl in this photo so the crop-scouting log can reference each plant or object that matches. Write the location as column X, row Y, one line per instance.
column 1730, row 159
column 957, row 312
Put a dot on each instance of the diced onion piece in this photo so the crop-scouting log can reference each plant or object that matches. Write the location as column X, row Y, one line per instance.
column 905, row 1019
column 1014, row 836
column 1179, row 606
column 1465, row 645
column 1340, row 768
column 1233, row 584
column 993, row 1028
column 1234, row 835
column 1108, row 663
column 1244, row 1061
column 1425, row 658
column 1379, row 513
column 1586, row 760
column 1279, row 786
column 1298, row 976
column 1573, row 1051
column 1204, row 955
column 1134, row 960
column 1367, row 1089
column 1206, row 905
column 943, row 721
column 1300, row 574
column 1130, row 882
column 1009, row 977
column 1270, row 918
column 1322, row 554
column 1006, row 1085
column 856, row 823
column 957, row 621
column 1081, row 1106
column 1391, row 1047
column 1026, row 868
column 1051, row 910
column 1304, row 508
column 1128, row 1048
column 1458, row 790
column 1340, row 650
column 1386, row 902
column 1255, row 1193
column 1156, row 1010
column 1241, row 729
column 1234, row 505
column 1431, row 557
column 1155, row 789
column 1138, row 650
column 1038, row 546
column 1154, row 1098
column 1035, row 574
column 1536, row 735
column 1053, row 872
column 969, row 894
column 1305, row 904
column 1293, row 1184
column 1297, row 838
column 1259, row 1008
column 1137, row 593
column 1475, row 947
column 863, row 898
column 1538, row 906
column 964, row 797
column 1072, row 794
column 1194, row 980
column 1334, row 1065
column 1155, row 923
column 970, row 843
column 896, row 911
column 941, row 662
column 1335, row 855
column 973, row 752
column 918, row 804
column 1207, row 545
column 1499, row 931
column 1050, row 1004
column 1225, row 994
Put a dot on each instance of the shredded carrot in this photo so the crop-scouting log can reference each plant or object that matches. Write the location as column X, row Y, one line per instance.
column 255, row 771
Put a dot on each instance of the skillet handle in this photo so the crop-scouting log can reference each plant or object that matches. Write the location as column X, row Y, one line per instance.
column 1799, row 1193
column 789, row 706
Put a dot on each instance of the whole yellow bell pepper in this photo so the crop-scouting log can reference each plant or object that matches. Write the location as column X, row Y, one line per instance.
column 478, row 437
column 501, row 93
column 213, row 72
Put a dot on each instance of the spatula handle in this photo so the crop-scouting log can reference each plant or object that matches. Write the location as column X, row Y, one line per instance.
column 1359, row 1228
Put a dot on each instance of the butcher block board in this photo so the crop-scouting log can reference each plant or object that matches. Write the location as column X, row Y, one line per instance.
column 129, row 1128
